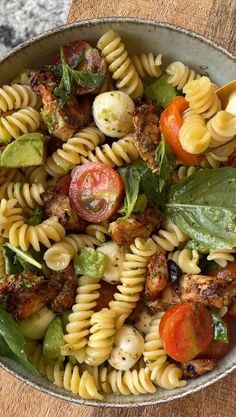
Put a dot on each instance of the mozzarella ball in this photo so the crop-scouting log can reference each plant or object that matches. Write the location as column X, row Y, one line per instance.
column 113, row 113
column 128, row 348
column 231, row 105
column 115, row 256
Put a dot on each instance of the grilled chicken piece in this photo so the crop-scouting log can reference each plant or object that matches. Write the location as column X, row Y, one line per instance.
column 58, row 204
column 123, row 232
column 146, row 133
column 157, row 276
column 65, row 283
column 197, row 367
column 62, row 121
column 164, row 300
column 25, row 294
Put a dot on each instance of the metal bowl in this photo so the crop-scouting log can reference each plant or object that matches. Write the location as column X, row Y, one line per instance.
column 139, row 35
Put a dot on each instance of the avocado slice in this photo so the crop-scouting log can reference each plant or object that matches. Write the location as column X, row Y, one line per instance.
column 26, row 150
column 53, row 341
column 36, row 326
column 160, row 91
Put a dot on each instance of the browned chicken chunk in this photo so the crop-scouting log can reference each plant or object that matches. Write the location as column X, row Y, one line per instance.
column 65, row 283
column 146, row 133
column 164, row 300
column 58, row 204
column 197, row 367
column 61, row 120
column 140, row 225
column 157, row 276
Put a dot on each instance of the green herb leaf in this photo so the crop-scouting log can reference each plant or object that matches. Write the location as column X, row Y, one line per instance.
column 35, row 218
column 87, row 78
column 149, row 183
column 160, row 91
column 131, row 179
column 26, row 259
column 12, row 264
column 220, row 328
column 12, row 342
column 204, row 207
column 90, row 262
column 141, row 203
column 165, row 163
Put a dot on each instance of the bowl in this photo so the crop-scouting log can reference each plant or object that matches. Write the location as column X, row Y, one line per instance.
column 139, row 35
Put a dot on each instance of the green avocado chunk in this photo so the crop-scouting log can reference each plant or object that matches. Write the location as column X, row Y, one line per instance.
column 26, row 150
column 160, row 91
column 53, row 341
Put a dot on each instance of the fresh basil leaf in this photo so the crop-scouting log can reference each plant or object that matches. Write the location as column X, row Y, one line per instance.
column 87, row 78
column 78, row 60
column 131, row 179
column 26, row 259
column 12, row 342
column 12, row 264
column 165, row 161
column 149, row 183
column 141, row 203
column 35, row 218
column 90, row 262
column 220, row 328
column 204, row 207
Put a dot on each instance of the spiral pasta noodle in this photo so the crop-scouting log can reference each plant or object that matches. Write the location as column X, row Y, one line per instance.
column 202, row 97
column 60, row 254
column 101, row 337
column 132, row 279
column 16, row 96
column 170, row 237
column 120, row 65
column 2, row 261
column 27, row 195
column 183, row 172
column 187, row 260
column 35, row 175
column 128, row 382
column 65, row 159
column 22, row 78
column 154, row 354
column 194, row 135
column 180, row 74
column 147, row 64
column 98, row 230
column 119, row 153
column 221, row 256
column 168, row 376
column 9, row 214
column 22, row 121
column 79, row 320
column 11, row 174
column 222, row 128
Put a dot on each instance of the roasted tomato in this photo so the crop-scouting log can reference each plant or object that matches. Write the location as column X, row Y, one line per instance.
column 186, row 330
column 96, row 191
column 107, row 292
column 170, row 123
column 63, row 184
column 94, row 62
column 226, row 273
column 232, row 310
column 217, row 349
column 72, row 52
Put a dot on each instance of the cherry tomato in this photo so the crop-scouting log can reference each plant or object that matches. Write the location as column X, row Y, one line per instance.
column 226, row 273
column 72, row 52
column 186, row 330
column 94, row 62
column 170, row 123
column 96, row 191
column 107, row 292
column 63, row 184
column 216, row 349
column 232, row 310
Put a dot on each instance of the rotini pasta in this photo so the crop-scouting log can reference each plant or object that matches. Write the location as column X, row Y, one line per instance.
column 65, row 159
column 119, row 153
column 221, row 256
column 35, row 175
column 187, row 260
column 170, row 237
column 154, row 354
column 79, row 320
column 60, row 254
column 8, row 215
column 2, row 261
column 194, row 135
column 27, row 195
column 168, row 376
column 22, row 78
column 101, row 337
column 202, row 97
column 11, row 174
column 22, row 121
column 120, row 65
column 132, row 279
column 183, row 172
column 98, row 230
column 128, row 382
column 147, row 64
column 222, row 128
column 16, row 96
column 180, row 74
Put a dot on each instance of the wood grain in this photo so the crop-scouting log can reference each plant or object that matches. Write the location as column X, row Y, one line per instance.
column 217, row 20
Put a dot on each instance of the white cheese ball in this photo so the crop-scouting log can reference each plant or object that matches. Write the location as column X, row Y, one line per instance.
column 128, row 348
column 112, row 112
column 115, row 256
column 231, row 106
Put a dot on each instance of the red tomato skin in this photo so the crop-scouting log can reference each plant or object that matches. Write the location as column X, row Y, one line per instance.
column 170, row 123
column 63, row 184
column 186, row 330
column 216, row 350
column 232, row 311
column 72, row 50
column 96, row 191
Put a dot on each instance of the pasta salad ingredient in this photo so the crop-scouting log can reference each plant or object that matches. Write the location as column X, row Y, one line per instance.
column 35, row 327
column 90, row 262
column 217, row 349
column 114, row 258
column 160, row 91
column 53, row 341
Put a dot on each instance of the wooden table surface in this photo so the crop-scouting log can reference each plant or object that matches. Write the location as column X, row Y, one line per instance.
column 215, row 19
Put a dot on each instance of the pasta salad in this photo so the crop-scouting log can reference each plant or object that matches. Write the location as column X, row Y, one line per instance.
column 117, row 221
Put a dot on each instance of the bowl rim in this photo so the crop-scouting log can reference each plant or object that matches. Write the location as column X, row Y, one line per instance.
column 65, row 28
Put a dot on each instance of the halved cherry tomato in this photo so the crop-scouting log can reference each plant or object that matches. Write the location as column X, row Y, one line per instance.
column 94, row 62
column 226, row 273
column 107, row 292
column 186, row 330
column 63, row 184
column 96, row 191
column 72, row 52
column 217, row 349
column 170, row 123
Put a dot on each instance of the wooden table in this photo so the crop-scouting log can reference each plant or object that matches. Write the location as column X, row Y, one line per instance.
column 215, row 19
